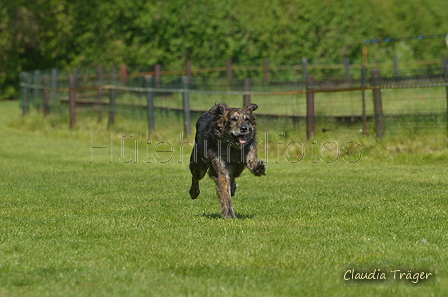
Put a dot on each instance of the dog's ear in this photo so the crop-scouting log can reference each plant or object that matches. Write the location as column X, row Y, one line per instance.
column 252, row 107
column 218, row 109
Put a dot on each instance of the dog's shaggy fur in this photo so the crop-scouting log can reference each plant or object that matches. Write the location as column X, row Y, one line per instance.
column 225, row 145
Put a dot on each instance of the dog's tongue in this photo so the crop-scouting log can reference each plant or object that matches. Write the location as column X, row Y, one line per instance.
column 242, row 139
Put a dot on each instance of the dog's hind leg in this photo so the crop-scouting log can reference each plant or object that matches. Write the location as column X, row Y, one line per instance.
column 198, row 170
column 232, row 187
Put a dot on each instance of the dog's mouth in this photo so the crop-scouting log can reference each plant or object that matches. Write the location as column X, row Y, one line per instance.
column 241, row 138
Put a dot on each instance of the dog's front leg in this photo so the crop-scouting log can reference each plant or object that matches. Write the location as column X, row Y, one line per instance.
column 222, row 180
column 253, row 164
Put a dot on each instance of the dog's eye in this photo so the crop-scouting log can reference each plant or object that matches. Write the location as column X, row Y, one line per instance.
column 233, row 119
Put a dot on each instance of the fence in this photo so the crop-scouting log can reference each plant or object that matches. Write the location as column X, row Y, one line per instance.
column 416, row 99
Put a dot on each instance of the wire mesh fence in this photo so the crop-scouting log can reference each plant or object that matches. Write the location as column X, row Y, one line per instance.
column 404, row 102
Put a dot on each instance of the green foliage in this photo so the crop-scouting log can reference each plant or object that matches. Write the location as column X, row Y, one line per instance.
column 59, row 33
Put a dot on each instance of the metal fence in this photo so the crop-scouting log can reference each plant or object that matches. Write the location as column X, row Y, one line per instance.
column 381, row 101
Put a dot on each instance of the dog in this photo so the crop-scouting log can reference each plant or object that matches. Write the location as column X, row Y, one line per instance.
column 224, row 146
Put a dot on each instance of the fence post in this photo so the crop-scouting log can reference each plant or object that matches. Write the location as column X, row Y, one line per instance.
column 395, row 67
column 123, row 74
column 305, row 68
column 446, row 92
column 36, row 89
column 150, row 103
column 229, row 71
column 54, row 84
column 46, row 83
column 266, row 71
column 72, row 99
column 99, row 92
column 25, row 92
column 377, row 104
column 186, row 106
column 188, row 70
column 157, row 73
column 246, row 97
column 112, row 97
column 443, row 61
column 310, row 117
column 347, row 68
column 75, row 74
column 363, row 85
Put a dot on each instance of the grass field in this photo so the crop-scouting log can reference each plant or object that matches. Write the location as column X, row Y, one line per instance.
column 74, row 228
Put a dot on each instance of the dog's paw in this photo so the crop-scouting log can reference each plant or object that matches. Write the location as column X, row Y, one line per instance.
column 259, row 168
column 194, row 192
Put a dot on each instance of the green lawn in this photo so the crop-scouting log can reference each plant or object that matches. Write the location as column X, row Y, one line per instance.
column 73, row 228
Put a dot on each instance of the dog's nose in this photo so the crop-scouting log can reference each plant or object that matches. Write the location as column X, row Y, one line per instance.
column 243, row 129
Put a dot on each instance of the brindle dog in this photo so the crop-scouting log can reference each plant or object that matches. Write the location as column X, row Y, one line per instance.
column 225, row 145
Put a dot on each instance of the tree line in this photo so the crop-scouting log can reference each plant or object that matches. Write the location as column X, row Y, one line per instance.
column 43, row 34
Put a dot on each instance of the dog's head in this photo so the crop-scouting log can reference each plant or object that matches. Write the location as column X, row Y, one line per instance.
column 236, row 125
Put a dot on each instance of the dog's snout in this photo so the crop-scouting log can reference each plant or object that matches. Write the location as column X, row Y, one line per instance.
column 243, row 129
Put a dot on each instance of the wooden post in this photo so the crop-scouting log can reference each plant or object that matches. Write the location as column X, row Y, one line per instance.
column 36, row 90
column 46, row 95
column 246, row 97
column 112, row 98
column 188, row 70
column 305, row 69
column 99, row 92
column 266, row 71
column 229, row 71
column 123, row 74
column 347, row 68
column 363, row 85
column 186, row 106
column 72, row 100
column 150, row 103
column 157, row 73
column 54, row 84
column 446, row 93
column 310, row 116
column 377, row 104
column 75, row 74
column 25, row 93
column 395, row 67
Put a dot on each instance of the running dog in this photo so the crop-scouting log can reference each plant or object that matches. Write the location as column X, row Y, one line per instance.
column 224, row 146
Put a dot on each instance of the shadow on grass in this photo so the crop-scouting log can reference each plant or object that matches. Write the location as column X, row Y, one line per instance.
column 217, row 216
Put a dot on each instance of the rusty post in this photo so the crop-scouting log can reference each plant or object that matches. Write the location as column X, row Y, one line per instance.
column 72, row 99
column 246, row 96
column 310, row 116
column 112, row 98
column 363, row 85
column 123, row 74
